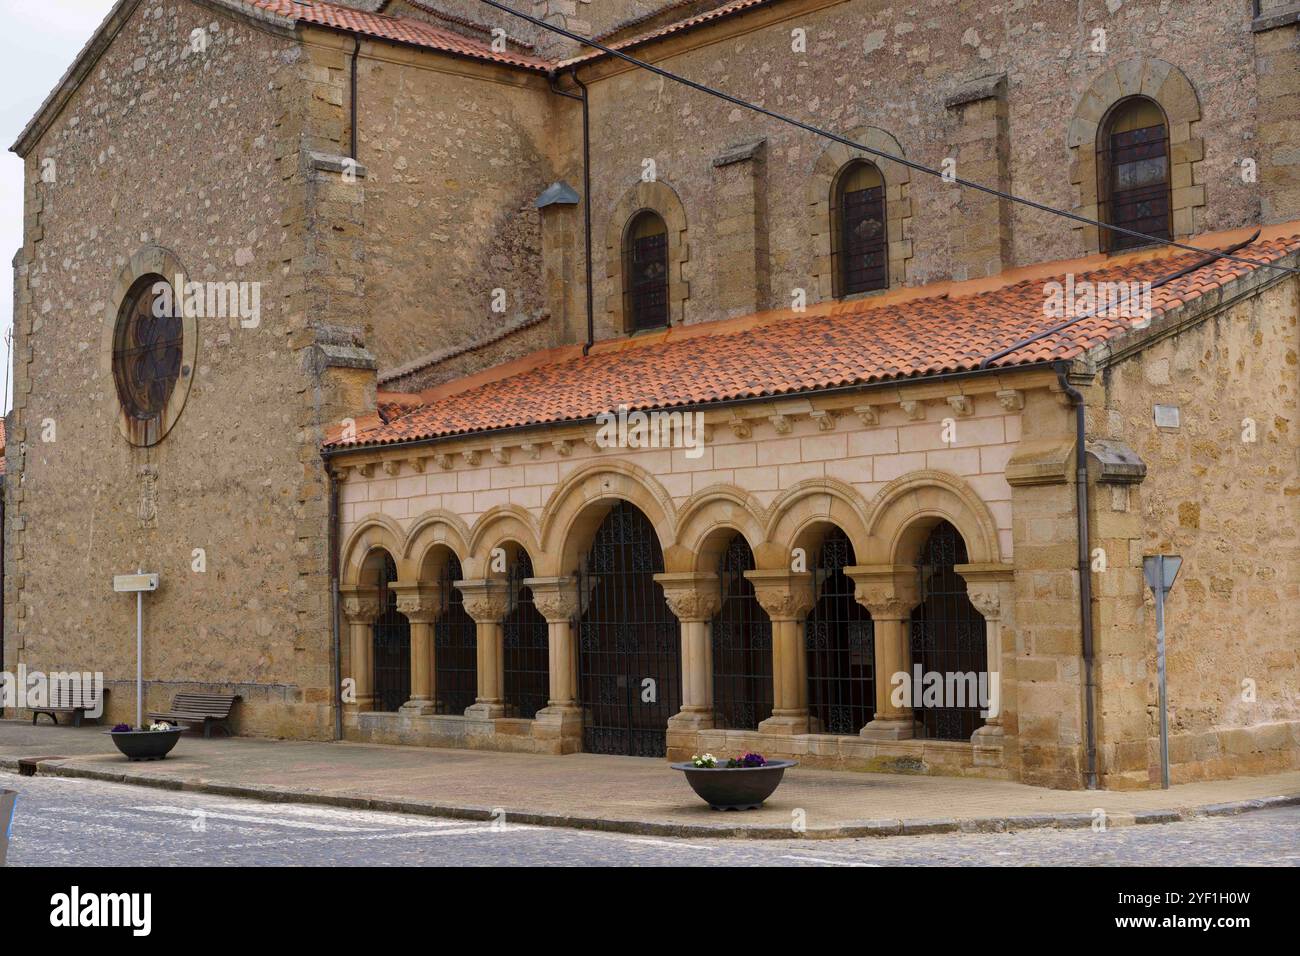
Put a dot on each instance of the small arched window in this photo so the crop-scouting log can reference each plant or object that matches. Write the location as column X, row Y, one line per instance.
column 645, row 249
column 858, row 233
column 1133, row 163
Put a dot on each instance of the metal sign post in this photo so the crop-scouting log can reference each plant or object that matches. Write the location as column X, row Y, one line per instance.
column 137, row 583
column 1160, row 571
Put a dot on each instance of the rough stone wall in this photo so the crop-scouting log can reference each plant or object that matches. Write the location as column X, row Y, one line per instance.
column 893, row 66
column 193, row 152
column 1231, row 507
column 454, row 161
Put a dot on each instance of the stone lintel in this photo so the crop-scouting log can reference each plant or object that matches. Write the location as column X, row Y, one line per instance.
column 1044, row 461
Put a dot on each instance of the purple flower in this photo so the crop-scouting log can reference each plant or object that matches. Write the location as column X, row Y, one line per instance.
column 121, row 728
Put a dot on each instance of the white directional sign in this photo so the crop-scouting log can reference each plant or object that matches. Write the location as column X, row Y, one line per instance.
column 130, row 583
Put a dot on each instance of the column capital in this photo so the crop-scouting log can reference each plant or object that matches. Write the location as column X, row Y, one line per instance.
column 988, row 586
column 359, row 605
column 888, row 591
column 486, row 599
column 420, row 603
column 691, row 595
column 556, row 599
column 784, row 595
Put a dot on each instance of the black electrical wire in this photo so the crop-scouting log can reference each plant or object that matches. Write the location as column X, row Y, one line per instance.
column 910, row 164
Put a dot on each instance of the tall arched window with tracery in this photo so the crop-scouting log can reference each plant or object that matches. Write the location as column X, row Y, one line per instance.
column 859, row 239
column 1133, row 168
column 645, row 251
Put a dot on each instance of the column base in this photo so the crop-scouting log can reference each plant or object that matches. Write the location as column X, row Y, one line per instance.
column 987, row 743
column 889, row 729
column 416, row 707
column 486, row 710
column 559, row 728
column 785, row 724
column 691, row 720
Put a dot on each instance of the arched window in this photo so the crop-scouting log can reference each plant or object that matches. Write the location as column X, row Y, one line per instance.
column 524, row 640
column 1133, row 165
column 645, row 249
column 455, row 646
column 742, row 645
column 840, row 639
column 859, row 244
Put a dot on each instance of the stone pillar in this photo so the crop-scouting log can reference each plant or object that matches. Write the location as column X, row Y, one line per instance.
column 740, row 178
column 421, row 605
column 1277, row 64
column 980, row 223
column 486, row 602
column 889, row 592
column 560, row 721
column 361, row 607
column 694, row 598
column 991, row 589
column 787, row 597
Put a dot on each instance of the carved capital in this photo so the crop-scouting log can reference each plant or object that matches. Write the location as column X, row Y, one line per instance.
column 419, row 603
column 691, row 596
column 784, row 595
column 888, row 591
column 360, row 608
column 556, row 599
column 986, row 600
column 485, row 601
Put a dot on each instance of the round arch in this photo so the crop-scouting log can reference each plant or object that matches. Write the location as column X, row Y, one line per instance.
column 430, row 536
column 1170, row 89
column 906, row 509
column 800, row 517
column 581, row 501
column 496, row 527
column 375, row 532
column 660, row 198
column 898, row 204
column 707, row 521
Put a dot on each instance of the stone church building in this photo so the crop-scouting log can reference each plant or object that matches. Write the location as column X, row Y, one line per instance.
column 470, row 387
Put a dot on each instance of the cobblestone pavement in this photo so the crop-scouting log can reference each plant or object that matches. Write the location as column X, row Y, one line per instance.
column 92, row 823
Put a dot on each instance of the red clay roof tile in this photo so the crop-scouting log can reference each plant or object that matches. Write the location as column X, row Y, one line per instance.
column 844, row 344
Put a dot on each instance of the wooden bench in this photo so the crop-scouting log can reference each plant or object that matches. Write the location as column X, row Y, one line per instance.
column 207, row 709
column 74, row 699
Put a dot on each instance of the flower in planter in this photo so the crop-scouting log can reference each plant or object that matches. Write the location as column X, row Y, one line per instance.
column 121, row 729
column 160, row 725
column 747, row 760
column 705, row 761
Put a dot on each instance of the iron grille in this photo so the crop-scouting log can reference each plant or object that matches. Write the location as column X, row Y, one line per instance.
column 629, row 645
column 455, row 648
column 525, row 645
column 742, row 645
column 1138, row 165
column 392, row 646
column 649, row 284
column 840, row 642
column 864, row 241
column 947, row 635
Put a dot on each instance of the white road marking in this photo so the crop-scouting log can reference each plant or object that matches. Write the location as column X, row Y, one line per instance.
column 817, row 859
column 198, row 813
column 649, row 842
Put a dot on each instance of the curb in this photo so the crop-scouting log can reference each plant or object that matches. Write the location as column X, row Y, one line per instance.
column 49, row 767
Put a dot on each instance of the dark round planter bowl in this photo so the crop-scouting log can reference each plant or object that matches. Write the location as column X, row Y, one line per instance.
column 735, row 788
column 146, row 744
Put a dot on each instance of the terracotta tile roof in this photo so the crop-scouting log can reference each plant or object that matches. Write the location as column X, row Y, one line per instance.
column 839, row 344
column 398, row 29
column 677, row 26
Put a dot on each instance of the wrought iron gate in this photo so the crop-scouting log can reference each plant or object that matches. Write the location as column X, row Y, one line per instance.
column 840, row 639
column 629, row 657
column 455, row 647
column 947, row 636
column 392, row 646
column 525, row 645
column 742, row 645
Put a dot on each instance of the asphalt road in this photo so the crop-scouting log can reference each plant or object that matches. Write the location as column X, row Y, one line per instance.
column 61, row 821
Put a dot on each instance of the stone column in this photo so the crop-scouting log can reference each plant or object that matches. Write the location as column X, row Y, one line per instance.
column 361, row 607
column 889, row 592
column 694, row 598
column 556, row 599
column 421, row 604
column 486, row 602
column 990, row 589
column 787, row 597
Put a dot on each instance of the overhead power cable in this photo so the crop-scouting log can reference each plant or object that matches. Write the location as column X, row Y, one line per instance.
column 910, row 164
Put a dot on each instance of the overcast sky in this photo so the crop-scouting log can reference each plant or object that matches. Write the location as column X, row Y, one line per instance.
column 38, row 43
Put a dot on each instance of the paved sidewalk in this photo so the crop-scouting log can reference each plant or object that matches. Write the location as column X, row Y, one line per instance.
column 628, row 794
